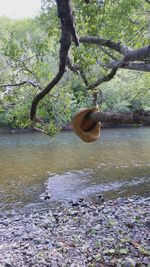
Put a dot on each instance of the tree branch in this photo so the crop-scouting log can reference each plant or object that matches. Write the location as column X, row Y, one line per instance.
column 138, row 54
column 75, row 68
column 83, row 76
column 18, row 84
column 132, row 66
column 31, row 72
column 8, row 86
column 103, row 79
column 4, row 68
column 129, row 54
column 67, row 31
column 116, row 118
column 107, row 52
column 122, row 49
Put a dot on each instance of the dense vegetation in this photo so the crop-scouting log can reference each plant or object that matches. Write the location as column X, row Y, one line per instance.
column 29, row 59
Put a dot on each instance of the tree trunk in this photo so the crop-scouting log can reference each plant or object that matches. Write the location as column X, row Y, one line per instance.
column 113, row 119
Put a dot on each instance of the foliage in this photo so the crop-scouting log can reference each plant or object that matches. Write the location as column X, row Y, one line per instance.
column 129, row 91
column 29, row 53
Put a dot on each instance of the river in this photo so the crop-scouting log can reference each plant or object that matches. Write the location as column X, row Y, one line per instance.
column 118, row 164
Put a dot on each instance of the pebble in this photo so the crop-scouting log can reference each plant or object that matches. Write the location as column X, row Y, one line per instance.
column 129, row 263
column 81, row 233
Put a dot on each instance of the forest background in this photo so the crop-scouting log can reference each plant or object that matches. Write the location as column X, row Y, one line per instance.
column 29, row 58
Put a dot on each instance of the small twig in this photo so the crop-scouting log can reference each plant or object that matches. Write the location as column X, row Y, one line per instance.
column 75, row 68
column 40, row 130
column 18, row 84
column 4, row 68
column 31, row 72
column 103, row 79
column 136, row 33
column 83, row 76
column 107, row 53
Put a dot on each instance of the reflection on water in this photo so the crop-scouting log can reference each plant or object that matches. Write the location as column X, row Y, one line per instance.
column 117, row 164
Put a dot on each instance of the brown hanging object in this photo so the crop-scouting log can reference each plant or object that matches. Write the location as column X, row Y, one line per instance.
column 84, row 127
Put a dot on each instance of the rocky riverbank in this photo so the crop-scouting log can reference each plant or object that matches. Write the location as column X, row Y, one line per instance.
column 89, row 233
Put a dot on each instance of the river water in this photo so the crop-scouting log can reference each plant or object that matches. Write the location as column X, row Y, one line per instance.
column 118, row 164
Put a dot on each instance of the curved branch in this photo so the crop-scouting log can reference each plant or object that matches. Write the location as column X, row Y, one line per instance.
column 67, row 31
column 75, row 68
column 103, row 79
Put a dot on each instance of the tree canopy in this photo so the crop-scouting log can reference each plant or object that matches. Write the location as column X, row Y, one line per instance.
column 89, row 47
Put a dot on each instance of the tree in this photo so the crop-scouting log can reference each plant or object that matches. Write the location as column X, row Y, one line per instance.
column 29, row 53
column 135, row 58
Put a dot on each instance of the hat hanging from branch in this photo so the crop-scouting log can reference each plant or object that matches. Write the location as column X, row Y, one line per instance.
column 84, row 127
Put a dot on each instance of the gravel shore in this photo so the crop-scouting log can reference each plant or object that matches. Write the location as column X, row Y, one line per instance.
column 84, row 233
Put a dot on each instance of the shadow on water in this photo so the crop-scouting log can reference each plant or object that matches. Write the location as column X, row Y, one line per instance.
column 116, row 165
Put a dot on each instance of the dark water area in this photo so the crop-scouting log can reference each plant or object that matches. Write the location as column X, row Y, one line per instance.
column 118, row 164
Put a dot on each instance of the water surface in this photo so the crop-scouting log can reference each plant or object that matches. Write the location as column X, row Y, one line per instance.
column 118, row 164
